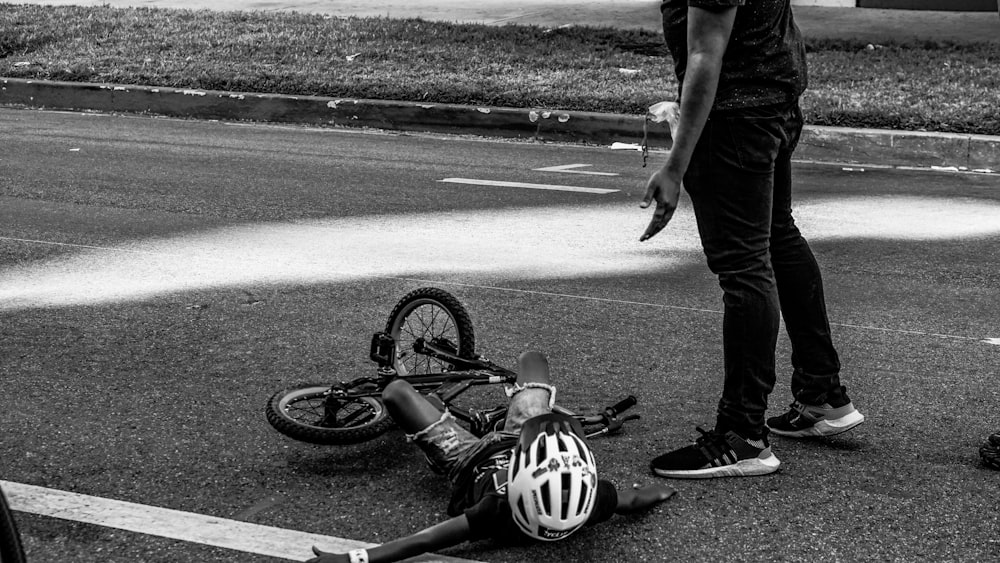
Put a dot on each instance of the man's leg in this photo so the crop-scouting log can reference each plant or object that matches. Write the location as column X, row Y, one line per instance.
column 800, row 291
column 821, row 405
column 730, row 182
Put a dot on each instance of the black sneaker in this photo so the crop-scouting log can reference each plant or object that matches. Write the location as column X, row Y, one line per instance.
column 803, row 420
column 990, row 451
column 717, row 455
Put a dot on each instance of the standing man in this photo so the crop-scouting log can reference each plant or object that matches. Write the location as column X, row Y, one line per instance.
column 742, row 67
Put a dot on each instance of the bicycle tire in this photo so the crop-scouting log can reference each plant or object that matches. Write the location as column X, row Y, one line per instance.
column 299, row 413
column 11, row 550
column 437, row 315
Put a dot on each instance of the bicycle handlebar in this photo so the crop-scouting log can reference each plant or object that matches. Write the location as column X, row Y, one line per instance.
column 621, row 406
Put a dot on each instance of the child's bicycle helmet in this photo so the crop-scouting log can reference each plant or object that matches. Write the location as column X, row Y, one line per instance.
column 553, row 478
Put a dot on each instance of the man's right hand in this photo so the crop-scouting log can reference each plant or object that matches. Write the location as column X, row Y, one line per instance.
column 667, row 192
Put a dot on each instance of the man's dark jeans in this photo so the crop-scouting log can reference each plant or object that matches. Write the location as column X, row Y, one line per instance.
column 740, row 183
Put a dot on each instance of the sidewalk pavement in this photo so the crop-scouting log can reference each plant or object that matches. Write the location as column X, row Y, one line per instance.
column 830, row 144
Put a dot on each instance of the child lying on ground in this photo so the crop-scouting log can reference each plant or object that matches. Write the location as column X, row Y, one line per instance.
column 536, row 478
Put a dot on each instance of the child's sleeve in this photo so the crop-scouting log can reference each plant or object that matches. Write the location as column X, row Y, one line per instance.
column 605, row 503
column 487, row 517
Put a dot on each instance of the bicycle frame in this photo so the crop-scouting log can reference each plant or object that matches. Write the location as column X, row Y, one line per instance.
column 438, row 359
column 470, row 372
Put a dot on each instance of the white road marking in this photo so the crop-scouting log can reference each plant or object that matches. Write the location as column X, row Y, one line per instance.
column 527, row 185
column 572, row 169
column 179, row 525
column 994, row 341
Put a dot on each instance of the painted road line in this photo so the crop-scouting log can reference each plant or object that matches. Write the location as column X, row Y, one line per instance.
column 649, row 305
column 178, row 525
column 526, row 185
column 572, row 169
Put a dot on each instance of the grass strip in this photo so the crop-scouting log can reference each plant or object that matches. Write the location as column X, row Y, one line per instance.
column 930, row 86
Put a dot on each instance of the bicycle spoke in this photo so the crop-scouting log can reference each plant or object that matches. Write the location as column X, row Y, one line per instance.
column 431, row 322
column 311, row 407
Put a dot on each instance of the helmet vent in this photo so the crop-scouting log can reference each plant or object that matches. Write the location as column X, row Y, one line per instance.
column 567, row 486
column 584, row 495
column 540, row 451
column 521, row 510
column 546, row 495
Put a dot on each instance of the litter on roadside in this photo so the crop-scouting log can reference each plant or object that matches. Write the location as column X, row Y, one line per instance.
column 626, row 146
column 551, row 29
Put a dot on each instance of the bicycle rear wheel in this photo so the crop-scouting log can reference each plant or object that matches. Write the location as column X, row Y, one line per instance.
column 11, row 550
column 435, row 316
column 307, row 413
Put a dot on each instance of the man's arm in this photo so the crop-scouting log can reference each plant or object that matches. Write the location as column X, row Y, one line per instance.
column 707, row 38
column 631, row 501
column 439, row 536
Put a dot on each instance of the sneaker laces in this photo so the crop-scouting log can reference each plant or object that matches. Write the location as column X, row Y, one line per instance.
column 796, row 411
column 716, row 438
column 710, row 437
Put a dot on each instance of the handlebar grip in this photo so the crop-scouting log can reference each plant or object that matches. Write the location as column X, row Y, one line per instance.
column 621, row 406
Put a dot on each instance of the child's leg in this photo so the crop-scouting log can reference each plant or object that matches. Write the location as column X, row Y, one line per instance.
column 411, row 410
column 533, row 395
column 438, row 434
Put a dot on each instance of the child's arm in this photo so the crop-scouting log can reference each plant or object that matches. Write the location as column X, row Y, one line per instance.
column 446, row 534
column 639, row 499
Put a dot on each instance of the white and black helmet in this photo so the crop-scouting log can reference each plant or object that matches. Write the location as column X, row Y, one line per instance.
column 553, row 478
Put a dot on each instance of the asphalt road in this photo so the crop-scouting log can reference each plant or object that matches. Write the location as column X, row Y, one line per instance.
column 160, row 279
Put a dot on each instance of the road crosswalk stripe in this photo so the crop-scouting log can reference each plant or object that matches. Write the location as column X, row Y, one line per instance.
column 175, row 524
column 526, row 185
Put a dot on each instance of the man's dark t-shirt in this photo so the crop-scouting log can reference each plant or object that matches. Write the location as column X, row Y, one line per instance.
column 482, row 497
column 765, row 62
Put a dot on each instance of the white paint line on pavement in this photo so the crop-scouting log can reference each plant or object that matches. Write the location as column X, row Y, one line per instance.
column 994, row 341
column 862, row 167
column 527, row 185
column 75, row 245
column 573, row 169
column 179, row 525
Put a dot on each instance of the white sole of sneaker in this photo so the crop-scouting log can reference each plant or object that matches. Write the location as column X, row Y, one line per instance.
column 744, row 468
column 826, row 427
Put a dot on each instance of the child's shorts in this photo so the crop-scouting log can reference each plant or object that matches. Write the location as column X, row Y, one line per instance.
column 448, row 445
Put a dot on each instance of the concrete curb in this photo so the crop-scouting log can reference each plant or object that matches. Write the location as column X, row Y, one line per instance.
column 823, row 144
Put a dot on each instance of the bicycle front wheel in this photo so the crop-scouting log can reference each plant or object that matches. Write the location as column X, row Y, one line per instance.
column 11, row 550
column 437, row 317
column 308, row 413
